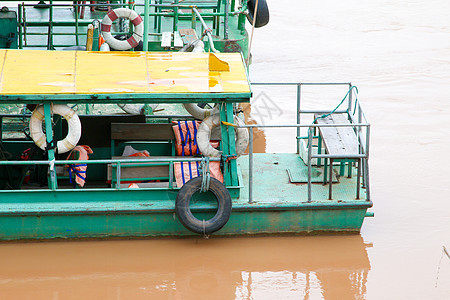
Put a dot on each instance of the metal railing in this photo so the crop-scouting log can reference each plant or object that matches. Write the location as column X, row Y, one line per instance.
column 161, row 10
column 358, row 121
column 118, row 164
column 356, row 124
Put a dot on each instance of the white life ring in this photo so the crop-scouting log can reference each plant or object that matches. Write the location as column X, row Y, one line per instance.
column 73, row 124
column 204, row 135
column 198, row 112
column 133, row 109
column 136, row 109
column 134, row 18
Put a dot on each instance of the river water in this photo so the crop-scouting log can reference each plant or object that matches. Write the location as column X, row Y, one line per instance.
column 398, row 54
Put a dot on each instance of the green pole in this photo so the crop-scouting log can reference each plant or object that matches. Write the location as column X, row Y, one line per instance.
column 51, row 152
column 146, row 20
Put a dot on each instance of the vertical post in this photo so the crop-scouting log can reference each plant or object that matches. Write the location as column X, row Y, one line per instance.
column 225, row 27
column 358, row 179
column 77, row 42
column 310, row 135
column 170, row 174
column 146, row 21
column 350, row 97
column 366, row 169
column 319, row 149
column 194, row 19
column 367, row 141
column 228, row 143
column 175, row 17
column 367, row 179
column 95, row 36
column 19, row 10
column 159, row 18
column 118, row 175
column 155, row 20
column 250, row 167
column 51, row 152
column 298, row 116
column 50, row 27
column 330, row 184
column 359, row 129
column 233, row 5
column 216, row 19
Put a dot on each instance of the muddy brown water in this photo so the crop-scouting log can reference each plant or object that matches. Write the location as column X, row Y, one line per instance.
column 398, row 54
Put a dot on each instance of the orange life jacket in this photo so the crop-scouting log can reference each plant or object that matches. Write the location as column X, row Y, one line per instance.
column 79, row 169
column 186, row 145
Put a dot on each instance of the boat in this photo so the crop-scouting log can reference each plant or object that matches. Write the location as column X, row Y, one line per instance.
column 67, row 172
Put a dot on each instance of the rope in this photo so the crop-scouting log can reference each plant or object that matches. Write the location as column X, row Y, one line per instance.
column 253, row 29
column 310, row 129
column 342, row 101
column 228, row 158
column 206, row 176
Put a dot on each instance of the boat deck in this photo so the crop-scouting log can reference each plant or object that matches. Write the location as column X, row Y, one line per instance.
column 271, row 170
column 279, row 207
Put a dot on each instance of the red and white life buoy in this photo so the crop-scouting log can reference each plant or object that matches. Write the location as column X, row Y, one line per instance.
column 73, row 123
column 134, row 18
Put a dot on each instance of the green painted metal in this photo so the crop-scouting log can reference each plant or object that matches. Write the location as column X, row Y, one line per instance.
column 278, row 206
column 122, row 224
column 228, row 144
column 50, row 141
column 62, row 18
column 146, row 22
column 69, row 213
column 8, row 30
column 150, row 98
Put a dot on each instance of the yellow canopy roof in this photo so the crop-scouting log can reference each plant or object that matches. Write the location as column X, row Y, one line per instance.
column 81, row 72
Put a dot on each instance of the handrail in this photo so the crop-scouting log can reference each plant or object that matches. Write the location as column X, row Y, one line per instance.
column 357, row 125
column 23, row 23
column 116, row 163
column 100, row 161
column 357, row 118
column 207, row 30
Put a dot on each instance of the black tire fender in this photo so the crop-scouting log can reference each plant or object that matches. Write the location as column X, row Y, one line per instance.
column 262, row 17
column 189, row 220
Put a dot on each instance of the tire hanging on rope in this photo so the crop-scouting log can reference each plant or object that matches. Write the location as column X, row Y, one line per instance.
column 262, row 13
column 191, row 222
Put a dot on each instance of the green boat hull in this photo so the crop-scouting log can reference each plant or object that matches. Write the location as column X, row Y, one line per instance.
column 156, row 218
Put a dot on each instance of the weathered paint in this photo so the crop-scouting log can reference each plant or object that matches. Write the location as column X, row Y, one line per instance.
column 80, row 72
column 76, row 213
column 148, row 223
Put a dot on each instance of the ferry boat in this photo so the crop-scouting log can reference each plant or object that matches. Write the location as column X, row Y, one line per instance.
column 67, row 172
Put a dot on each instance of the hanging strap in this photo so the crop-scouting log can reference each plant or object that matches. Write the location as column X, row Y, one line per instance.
column 188, row 138
column 206, row 176
column 183, row 140
column 72, row 168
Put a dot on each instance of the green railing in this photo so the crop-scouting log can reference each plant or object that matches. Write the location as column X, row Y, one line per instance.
column 193, row 11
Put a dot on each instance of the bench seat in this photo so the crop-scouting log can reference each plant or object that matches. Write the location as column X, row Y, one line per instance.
column 341, row 142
